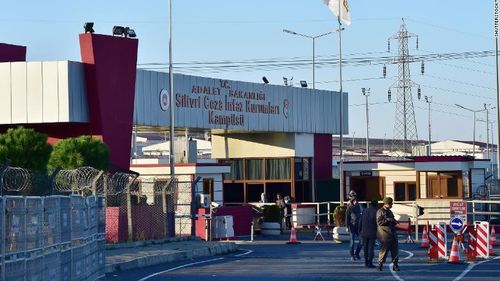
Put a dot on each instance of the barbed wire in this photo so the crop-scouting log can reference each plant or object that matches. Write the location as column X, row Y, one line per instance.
column 16, row 179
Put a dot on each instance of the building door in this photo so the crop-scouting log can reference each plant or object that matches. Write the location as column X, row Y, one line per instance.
column 368, row 188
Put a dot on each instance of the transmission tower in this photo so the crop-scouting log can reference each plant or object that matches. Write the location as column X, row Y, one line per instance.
column 405, row 127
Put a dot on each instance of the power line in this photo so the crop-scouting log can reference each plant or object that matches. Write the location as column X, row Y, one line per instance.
column 322, row 62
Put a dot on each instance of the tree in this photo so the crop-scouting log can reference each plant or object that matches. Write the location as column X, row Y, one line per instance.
column 73, row 153
column 25, row 148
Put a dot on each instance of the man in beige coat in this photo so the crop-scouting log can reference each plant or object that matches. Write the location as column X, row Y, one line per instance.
column 386, row 234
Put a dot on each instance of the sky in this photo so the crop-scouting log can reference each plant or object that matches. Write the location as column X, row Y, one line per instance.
column 240, row 32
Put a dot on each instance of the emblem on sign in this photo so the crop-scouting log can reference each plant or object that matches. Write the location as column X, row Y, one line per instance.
column 285, row 108
column 164, row 100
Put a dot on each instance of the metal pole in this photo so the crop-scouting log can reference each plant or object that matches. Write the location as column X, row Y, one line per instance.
column 474, row 137
column 429, row 100
column 314, row 63
column 366, row 93
column 487, row 132
column 498, row 94
column 341, row 112
column 429, row 153
column 171, row 83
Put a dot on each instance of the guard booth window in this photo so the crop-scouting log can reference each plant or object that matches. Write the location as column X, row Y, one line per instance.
column 405, row 191
column 444, row 185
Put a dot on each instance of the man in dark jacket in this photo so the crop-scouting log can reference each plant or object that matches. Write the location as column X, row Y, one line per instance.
column 368, row 231
column 352, row 216
column 386, row 234
column 280, row 202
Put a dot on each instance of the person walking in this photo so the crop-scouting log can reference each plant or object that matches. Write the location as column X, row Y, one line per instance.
column 280, row 202
column 288, row 212
column 352, row 217
column 368, row 231
column 386, row 234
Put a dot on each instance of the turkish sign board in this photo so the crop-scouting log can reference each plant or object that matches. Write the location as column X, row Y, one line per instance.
column 458, row 215
column 207, row 103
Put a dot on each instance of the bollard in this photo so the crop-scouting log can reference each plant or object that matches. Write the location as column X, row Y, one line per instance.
column 251, row 232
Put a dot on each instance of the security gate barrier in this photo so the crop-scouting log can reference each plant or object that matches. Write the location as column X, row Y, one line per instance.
column 52, row 238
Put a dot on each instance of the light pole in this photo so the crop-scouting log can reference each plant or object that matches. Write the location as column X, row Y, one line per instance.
column 366, row 93
column 428, row 100
column 474, row 130
column 313, row 38
column 497, row 83
column 353, row 134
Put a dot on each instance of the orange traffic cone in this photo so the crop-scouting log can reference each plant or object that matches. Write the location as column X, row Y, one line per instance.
column 293, row 237
column 425, row 239
column 493, row 236
column 455, row 253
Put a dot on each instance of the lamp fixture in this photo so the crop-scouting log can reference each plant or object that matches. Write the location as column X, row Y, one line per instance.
column 129, row 32
column 118, row 30
column 88, row 27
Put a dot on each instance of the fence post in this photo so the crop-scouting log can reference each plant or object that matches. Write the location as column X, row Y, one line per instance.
column 94, row 183
column 193, row 205
column 130, row 233
column 165, row 209
column 328, row 213
column 51, row 179
column 415, row 205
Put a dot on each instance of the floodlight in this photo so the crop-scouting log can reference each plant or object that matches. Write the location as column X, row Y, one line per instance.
column 118, row 30
column 264, row 78
column 88, row 27
column 129, row 32
column 303, row 83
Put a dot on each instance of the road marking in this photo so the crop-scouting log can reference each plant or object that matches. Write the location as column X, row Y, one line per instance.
column 396, row 276
column 470, row 267
column 244, row 254
column 178, row 267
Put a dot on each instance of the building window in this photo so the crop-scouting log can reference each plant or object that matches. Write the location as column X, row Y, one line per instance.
column 405, row 191
column 236, row 170
column 444, row 185
column 254, row 169
column 278, row 169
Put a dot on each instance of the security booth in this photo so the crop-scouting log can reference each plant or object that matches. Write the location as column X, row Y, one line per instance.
column 430, row 181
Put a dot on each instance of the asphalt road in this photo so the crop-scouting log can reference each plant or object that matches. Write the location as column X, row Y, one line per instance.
column 311, row 260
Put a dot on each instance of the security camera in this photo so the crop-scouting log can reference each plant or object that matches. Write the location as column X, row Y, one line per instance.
column 214, row 204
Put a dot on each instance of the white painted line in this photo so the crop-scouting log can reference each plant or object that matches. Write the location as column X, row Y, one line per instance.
column 394, row 274
column 410, row 254
column 470, row 267
column 244, row 254
column 178, row 267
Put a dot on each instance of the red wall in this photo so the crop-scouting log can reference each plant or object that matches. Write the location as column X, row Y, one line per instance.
column 110, row 69
column 11, row 53
column 322, row 156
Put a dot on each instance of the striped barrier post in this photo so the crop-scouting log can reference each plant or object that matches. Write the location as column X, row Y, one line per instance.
column 483, row 239
column 471, row 244
column 442, row 240
column 433, row 245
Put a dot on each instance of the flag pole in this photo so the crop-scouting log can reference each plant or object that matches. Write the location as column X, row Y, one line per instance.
column 341, row 139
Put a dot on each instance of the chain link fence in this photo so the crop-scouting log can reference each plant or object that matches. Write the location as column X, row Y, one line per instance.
column 137, row 208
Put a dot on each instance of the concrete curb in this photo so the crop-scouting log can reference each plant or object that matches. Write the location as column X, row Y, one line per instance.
column 150, row 242
column 206, row 250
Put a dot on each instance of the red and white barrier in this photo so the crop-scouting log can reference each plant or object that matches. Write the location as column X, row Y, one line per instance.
column 483, row 239
column 442, row 241
column 433, row 245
